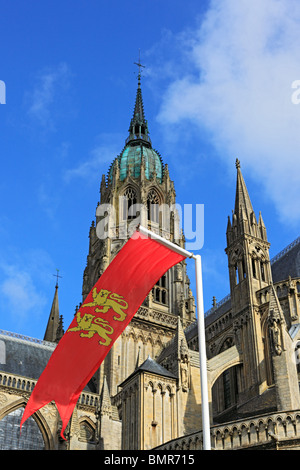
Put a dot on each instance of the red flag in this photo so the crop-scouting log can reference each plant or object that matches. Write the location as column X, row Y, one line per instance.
column 100, row 320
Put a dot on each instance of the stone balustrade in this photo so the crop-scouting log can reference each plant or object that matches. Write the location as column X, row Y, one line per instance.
column 274, row 430
column 282, row 288
column 16, row 382
column 24, row 384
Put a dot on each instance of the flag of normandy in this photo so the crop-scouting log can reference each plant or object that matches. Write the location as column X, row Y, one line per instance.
column 100, row 320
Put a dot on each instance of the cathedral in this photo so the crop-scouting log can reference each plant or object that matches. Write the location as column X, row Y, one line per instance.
column 147, row 394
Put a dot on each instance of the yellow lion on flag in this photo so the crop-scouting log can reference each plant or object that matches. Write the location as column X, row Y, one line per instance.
column 107, row 300
column 89, row 325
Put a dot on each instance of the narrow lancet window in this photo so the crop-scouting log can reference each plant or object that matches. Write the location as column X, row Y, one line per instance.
column 253, row 268
column 129, row 203
column 153, row 206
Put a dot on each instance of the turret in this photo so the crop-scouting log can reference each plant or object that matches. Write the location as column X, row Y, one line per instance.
column 54, row 330
column 249, row 271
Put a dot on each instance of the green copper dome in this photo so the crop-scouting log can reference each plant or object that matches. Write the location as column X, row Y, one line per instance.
column 132, row 158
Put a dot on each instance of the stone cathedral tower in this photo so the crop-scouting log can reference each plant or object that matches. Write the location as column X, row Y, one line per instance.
column 249, row 271
column 261, row 335
column 138, row 189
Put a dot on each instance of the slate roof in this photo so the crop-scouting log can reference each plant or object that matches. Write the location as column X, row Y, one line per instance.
column 150, row 365
column 24, row 356
column 287, row 262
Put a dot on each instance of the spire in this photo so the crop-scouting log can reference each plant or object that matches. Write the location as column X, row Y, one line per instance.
column 105, row 402
column 54, row 321
column 262, row 227
column 243, row 216
column 138, row 130
column 139, row 359
column 242, row 200
column 139, row 107
column 138, row 113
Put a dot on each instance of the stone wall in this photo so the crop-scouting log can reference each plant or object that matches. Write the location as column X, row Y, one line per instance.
column 267, row 431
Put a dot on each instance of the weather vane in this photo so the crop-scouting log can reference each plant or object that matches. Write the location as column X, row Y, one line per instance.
column 139, row 64
column 57, row 276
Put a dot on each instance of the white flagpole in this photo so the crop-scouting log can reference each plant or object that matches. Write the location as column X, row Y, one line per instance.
column 201, row 329
column 165, row 242
column 202, row 355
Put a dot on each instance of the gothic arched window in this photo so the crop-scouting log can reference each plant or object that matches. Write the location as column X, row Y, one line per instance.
column 225, row 390
column 244, row 269
column 153, row 202
column 129, row 203
column 253, row 267
column 236, row 272
column 262, row 270
column 160, row 292
column 31, row 437
column 87, row 433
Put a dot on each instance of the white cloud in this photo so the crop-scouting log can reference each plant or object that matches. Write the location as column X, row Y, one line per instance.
column 245, row 57
column 46, row 93
column 108, row 147
column 22, row 283
column 47, row 199
column 20, row 293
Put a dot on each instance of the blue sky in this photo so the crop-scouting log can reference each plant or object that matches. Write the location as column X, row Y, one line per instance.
column 217, row 86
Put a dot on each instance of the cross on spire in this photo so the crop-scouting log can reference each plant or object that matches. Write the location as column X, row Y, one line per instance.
column 57, row 276
column 139, row 65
